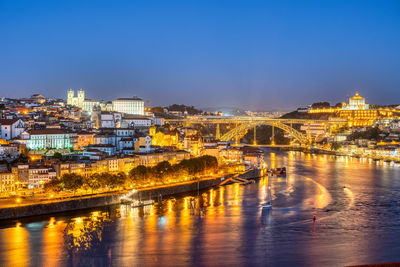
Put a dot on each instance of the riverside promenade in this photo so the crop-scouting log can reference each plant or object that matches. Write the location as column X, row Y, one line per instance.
column 112, row 198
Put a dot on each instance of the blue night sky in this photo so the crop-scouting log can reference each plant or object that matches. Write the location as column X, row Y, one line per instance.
column 250, row 54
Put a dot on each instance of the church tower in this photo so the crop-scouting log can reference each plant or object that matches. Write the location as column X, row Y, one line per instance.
column 70, row 97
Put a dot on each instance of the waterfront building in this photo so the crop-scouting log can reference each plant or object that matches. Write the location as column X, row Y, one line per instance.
column 7, row 181
column 314, row 129
column 231, row 155
column 40, row 175
column 134, row 106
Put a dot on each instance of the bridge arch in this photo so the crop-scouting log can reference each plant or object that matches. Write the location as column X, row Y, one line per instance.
column 245, row 126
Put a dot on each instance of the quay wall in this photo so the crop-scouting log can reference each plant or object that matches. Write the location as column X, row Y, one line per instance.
column 112, row 199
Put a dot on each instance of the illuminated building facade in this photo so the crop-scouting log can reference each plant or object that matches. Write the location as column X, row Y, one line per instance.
column 355, row 103
column 357, row 112
column 50, row 139
column 75, row 100
column 163, row 139
column 133, row 105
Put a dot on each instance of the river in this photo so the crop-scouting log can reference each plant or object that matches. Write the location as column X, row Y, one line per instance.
column 356, row 203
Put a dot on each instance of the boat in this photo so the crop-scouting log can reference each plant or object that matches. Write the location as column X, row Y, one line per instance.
column 279, row 171
column 268, row 203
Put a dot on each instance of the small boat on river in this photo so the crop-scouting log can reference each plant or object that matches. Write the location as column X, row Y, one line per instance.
column 279, row 171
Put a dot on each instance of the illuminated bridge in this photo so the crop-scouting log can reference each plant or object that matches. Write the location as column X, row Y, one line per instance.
column 243, row 124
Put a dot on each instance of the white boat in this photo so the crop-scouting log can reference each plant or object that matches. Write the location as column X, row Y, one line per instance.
column 268, row 203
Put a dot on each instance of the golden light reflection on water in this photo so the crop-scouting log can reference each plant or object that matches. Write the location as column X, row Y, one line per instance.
column 272, row 159
column 53, row 241
column 209, row 223
column 323, row 197
column 16, row 245
column 263, row 189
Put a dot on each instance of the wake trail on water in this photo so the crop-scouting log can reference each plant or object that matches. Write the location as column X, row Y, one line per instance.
column 321, row 200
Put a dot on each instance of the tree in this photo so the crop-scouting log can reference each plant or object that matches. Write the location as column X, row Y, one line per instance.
column 139, row 173
column 370, row 134
column 72, row 181
column 321, row 105
column 92, row 182
column 335, row 146
column 158, row 110
column 52, row 186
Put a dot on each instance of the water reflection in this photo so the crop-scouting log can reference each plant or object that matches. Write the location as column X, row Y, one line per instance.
column 356, row 202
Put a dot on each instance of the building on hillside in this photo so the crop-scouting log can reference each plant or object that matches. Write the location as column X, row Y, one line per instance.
column 51, row 139
column 193, row 144
column 358, row 113
column 356, row 102
column 163, row 138
column 7, row 181
column 76, row 100
column 11, row 150
column 134, row 121
column 88, row 105
column 143, row 144
column 314, row 129
column 107, row 148
column 83, row 139
column 134, row 106
column 11, row 128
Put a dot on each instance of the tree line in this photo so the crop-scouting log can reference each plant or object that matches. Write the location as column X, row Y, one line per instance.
column 141, row 175
column 165, row 172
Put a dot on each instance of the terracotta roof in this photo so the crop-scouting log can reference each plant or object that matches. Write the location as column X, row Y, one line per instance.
column 8, row 121
column 47, row 131
column 132, row 98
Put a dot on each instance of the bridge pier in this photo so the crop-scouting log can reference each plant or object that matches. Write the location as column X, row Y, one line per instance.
column 217, row 132
column 255, row 137
column 237, row 138
column 273, row 135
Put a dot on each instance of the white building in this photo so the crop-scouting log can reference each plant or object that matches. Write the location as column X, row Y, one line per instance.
column 11, row 128
column 133, row 106
column 356, row 103
column 76, row 101
column 88, row 105
column 51, row 139
column 132, row 121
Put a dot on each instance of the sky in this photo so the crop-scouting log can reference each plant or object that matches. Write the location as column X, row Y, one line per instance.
column 259, row 55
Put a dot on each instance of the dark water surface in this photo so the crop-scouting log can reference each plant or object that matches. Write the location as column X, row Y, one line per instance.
column 356, row 201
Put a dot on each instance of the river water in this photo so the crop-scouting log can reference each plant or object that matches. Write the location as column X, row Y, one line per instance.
column 356, row 203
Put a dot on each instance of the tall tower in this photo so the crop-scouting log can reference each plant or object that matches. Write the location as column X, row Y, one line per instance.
column 70, row 97
column 81, row 98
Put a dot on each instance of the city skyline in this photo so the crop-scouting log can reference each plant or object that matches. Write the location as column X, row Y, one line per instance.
column 256, row 56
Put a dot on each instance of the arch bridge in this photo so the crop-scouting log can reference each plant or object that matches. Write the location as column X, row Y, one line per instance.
column 244, row 123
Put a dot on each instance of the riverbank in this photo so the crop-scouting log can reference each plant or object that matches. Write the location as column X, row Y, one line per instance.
column 113, row 198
